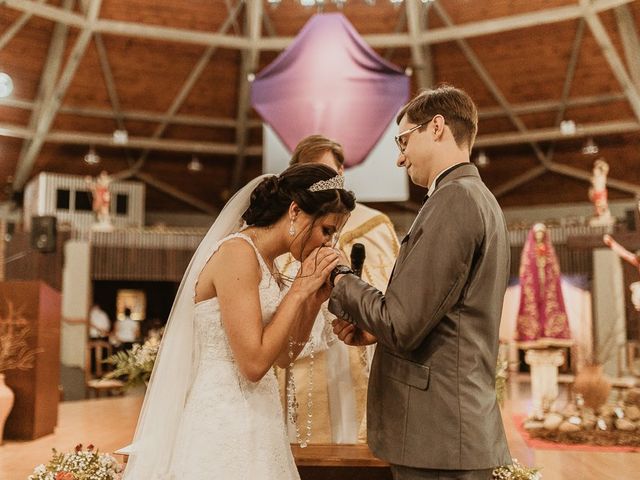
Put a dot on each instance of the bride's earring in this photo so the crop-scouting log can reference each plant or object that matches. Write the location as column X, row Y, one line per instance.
column 292, row 229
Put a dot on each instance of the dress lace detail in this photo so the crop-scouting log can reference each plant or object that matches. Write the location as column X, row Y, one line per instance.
column 232, row 428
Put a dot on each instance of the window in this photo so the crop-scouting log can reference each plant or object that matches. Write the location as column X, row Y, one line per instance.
column 62, row 199
column 83, row 201
column 122, row 204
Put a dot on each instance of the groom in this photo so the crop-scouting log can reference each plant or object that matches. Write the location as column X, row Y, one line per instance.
column 432, row 410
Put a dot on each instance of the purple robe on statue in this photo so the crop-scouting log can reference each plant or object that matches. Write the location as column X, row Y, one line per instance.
column 330, row 82
column 542, row 315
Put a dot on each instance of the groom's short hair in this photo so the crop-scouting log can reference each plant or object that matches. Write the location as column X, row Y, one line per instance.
column 454, row 104
column 311, row 148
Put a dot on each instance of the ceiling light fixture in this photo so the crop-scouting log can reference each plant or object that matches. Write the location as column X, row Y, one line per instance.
column 590, row 147
column 120, row 137
column 195, row 165
column 91, row 157
column 482, row 160
column 568, row 127
column 6, row 85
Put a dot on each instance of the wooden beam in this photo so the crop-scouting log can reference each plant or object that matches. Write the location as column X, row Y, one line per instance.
column 142, row 115
column 568, row 81
column 549, row 134
column 249, row 66
column 420, row 55
column 482, row 141
column 10, row 32
column 170, row 34
column 56, row 14
column 203, row 121
column 176, row 193
column 182, row 95
column 50, row 72
column 471, row 29
column 104, row 139
column 512, row 184
column 630, row 42
column 586, row 176
column 610, row 54
column 489, row 83
column 438, row 35
column 551, row 105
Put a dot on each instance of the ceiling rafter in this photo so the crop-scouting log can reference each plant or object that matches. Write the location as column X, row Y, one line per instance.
column 177, row 193
column 535, row 172
column 10, row 32
column 489, row 83
column 610, row 54
column 438, row 35
column 630, row 42
column 142, row 115
column 47, row 84
column 250, row 57
column 203, row 121
column 52, row 103
column 420, row 54
column 183, row 93
column 617, row 127
column 104, row 139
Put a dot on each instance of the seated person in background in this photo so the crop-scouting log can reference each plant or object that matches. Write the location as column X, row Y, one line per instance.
column 99, row 323
column 127, row 330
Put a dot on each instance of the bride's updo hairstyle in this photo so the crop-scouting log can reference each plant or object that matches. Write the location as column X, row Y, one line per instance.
column 270, row 200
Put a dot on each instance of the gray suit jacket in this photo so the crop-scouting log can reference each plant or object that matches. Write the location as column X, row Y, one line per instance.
column 431, row 401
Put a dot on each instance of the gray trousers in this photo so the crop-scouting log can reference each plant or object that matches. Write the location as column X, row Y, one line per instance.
column 408, row 473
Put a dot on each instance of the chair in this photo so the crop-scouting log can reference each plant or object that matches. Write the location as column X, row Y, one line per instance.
column 99, row 349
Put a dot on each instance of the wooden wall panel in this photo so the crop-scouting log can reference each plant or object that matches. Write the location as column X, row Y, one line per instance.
column 35, row 412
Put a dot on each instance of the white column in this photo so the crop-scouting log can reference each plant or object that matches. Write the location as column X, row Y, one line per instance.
column 544, row 376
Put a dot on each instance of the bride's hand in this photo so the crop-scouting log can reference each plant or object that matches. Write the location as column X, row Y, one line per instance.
column 315, row 270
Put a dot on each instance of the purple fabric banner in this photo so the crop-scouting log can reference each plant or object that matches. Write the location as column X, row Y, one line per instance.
column 330, row 82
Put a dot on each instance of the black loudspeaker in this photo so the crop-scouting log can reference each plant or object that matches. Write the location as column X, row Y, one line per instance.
column 630, row 219
column 44, row 234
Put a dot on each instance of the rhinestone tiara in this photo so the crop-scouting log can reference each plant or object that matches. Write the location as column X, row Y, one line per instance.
column 334, row 183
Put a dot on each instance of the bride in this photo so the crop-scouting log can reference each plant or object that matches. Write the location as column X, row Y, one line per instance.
column 212, row 408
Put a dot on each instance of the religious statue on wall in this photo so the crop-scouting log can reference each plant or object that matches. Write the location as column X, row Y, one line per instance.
column 542, row 317
column 598, row 194
column 101, row 200
column 633, row 259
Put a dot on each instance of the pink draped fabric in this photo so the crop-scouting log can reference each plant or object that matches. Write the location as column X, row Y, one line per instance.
column 330, row 82
column 542, row 314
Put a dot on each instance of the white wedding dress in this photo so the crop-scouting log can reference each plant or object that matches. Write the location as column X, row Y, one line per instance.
column 231, row 428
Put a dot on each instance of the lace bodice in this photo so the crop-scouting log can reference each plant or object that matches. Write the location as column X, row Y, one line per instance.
column 232, row 428
column 211, row 338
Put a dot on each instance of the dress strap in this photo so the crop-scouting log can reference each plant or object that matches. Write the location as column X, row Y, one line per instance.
column 263, row 265
column 261, row 260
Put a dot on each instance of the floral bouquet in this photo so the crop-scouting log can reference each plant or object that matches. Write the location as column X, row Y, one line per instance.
column 135, row 364
column 82, row 464
column 515, row 471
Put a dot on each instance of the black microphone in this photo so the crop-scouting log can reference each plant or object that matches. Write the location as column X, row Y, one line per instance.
column 357, row 258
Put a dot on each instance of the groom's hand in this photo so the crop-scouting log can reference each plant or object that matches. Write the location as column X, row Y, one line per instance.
column 352, row 335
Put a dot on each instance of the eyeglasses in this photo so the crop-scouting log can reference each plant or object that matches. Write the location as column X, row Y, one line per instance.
column 402, row 145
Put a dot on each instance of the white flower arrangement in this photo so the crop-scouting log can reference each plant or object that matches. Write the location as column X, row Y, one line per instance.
column 81, row 464
column 516, row 471
column 135, row 364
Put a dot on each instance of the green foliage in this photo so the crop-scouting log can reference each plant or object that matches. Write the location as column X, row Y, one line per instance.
column 136, row 364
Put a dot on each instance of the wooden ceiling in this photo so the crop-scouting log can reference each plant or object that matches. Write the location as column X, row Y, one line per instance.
column 174, row 76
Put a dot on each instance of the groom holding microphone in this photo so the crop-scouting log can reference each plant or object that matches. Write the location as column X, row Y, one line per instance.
column 432, row 411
